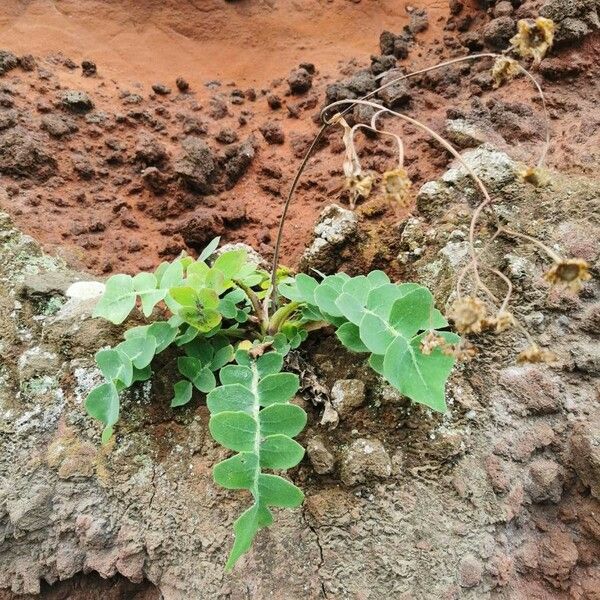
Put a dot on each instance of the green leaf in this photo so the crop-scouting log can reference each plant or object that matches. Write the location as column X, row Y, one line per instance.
column 377, row 278
column 115, row 366
column 184, row 295
column 350, row 308
column 306, row 286
column 202, row 377
column 412, row 312
column 209, row 249
column 376, row 363
column 222, row 357
column 102, row 403
column 245, row 529
column 269, row 364
column 275, row 389
column 232, row 397
column 172, row 275
column 145, row 284
column 237, row 472
column 280, row 452
column 375, row 333
column 381, row 299
column 287, row 419
column 163, row 333
column 419, row 376
column 277, row 491
column 234, row 430
column 230, row 263
column 118, row 299
column 236, row 374
column 203, row 320
column 182, row 393
column 141, row 374
column 349, row 335
column 139, row 350
column 325, row 297
column 359, row 288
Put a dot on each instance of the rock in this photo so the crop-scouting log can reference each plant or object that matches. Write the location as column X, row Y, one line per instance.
column 503, row 9
column 401, row 48
column 155, row 180
column 149, row 151
column 587, row 357
column 464, row 134
column 566, row 12
column 237, row 160
column 38, row 362
column 8, row 61
column 397, row 94
column 272, row 132
column 25, row 155
column 196, row 166
column 58, row 126
column 182, row 85
column 346, row 395
column 201, row 227
column 300, row 81
column 338, row 91
column 382, row 63
column 365, row 459
column 129, row 98
column 85, row 290
column 456, row 6
column 88, row 68
column 386, row 42
column 76, row 101
column 83, row 166
column 362, row 83
column 470, row 571
column 8, row 119
column 497, row 32
column 336, row 227
column 161, row 89
column 585, row 453
column 274, row 101
column 32, row 510
column 557, row 558
column 27, row 62
column 319, row 455
column 226, row 136
column 418, row 21
column 545, row 482
column 536, row 390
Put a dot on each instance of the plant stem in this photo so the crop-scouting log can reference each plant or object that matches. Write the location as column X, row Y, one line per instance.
column 280, row 316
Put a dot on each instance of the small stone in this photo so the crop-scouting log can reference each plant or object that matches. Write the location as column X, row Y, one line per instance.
column 464, row 134
column 503, row 9
column 272, row 132
column 470, row 571
column 58, row 126
column 226, row 136
column 347, row 395
column 365, row 459
column 8, row 61
column 196, row 166
column 88, row 68
column 161, row 89
column 557, row 557
column 536, row 390
column 545, row 482
column 85, row 290
column 382, row 63
column 274, row 101
column 585, row 453
column 76, row 101
column 8, row 119
column 300, row 81
column 418, row 21
column 182, row 85
column 27, row 62
column 497, row 32
column 396, row 95
column 320, row 457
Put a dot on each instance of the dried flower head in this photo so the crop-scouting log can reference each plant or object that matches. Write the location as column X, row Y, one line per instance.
column 396, row 186
column 535, row 354
column 533, row 38
column 501, row 322
column 468, row 314
column 360, row 186
column 504, row 70
column 569, row 273
column 464, row 351
column 432, row 341
column 535, row 176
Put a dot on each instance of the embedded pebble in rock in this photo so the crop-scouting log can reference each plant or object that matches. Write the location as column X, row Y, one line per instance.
column 322, row 460
column 545, row 481
column 85, row 290
column 365, row 459
column 336, row 226
column 347, row 395
column 470, row 571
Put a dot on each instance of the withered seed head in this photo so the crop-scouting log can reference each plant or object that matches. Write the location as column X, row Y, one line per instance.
column 501, row 322
column 396, row 186
column 533, row 38
column 468, row 314
column 569, row 273
column 359, row 186
column 534, row 175
column 535, row 354
column 504, row 70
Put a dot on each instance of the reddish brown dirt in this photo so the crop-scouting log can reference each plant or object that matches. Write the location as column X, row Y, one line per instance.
column 112, row 222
